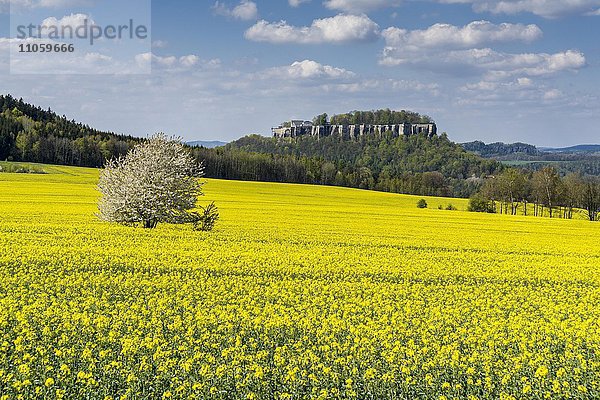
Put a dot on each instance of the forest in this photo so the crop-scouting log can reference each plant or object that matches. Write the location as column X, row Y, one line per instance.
column 29, row 133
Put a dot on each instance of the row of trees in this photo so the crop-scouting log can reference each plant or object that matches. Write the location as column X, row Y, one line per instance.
column 542, row 192
column 377, row 117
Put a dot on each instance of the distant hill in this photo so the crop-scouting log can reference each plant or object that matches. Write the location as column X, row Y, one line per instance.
column 580, row 159
column 500, row 149
column 208, row 144
column 582, row 148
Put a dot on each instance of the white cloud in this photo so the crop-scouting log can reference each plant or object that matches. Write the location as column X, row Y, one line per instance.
column 524, row 82
column 31, row 4
column 495, row 65
column 379, row 86
column 502, row 65
column 339, row 29
column 189, row 60
column 175, row 64
column 160, row 44
column 307, row 69
column 245, row 11
column 543, row 8
column 520, row 91
column 72, row 21
column 297, row 3
column 96, row 58
column 553, row 94
column 461, row 51
column 475, row 34
column 360, row 6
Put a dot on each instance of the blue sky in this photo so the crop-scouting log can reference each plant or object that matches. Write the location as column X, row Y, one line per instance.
column 493, row 70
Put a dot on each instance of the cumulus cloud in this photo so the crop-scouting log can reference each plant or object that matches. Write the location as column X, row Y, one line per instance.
column 360, row 6
column 462, row 50
column 72, row 21
column 493, row 64
column 518, row 91
column 246, row 10
column 543, row 8
column 449, row 36
column 342, row 28
column 307, row 69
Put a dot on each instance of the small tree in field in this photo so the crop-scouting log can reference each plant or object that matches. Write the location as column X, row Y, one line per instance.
column 157, row 181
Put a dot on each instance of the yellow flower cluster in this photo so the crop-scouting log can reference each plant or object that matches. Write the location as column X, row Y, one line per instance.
column 300, row 292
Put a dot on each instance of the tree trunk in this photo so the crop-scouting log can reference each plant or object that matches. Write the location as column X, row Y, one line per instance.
column 150, row 223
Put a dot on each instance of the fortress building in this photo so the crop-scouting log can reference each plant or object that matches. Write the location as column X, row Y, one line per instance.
column 297, row 128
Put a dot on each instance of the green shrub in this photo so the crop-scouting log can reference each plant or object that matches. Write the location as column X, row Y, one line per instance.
column 205, row 221
column 478, row 203
column 422, row 203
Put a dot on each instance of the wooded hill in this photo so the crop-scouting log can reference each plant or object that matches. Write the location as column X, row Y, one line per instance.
column 413, row 164
column 582, row 159
column 32, row 134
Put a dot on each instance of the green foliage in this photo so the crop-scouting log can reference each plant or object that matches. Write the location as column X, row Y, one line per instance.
column 31, row 134
column 413, row 164
column 380, row 117
column 20, row 168
column 450, row 207
column 422, row 203
column 206, row 220
column 500, row 149
column 478, row 203
column 322, row 119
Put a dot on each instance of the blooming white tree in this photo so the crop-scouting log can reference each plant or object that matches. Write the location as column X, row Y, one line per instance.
column 157, row 181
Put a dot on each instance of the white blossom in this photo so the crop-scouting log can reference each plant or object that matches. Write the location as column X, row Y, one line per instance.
column 157, row 181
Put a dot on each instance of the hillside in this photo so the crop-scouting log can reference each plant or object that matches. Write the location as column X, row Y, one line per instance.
column 499, row 149
column 413, row 164
column 581, row 159
column 582, row 148
column 29, row 133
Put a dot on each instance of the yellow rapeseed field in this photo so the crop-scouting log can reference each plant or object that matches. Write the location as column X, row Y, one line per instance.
column 300, row 292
